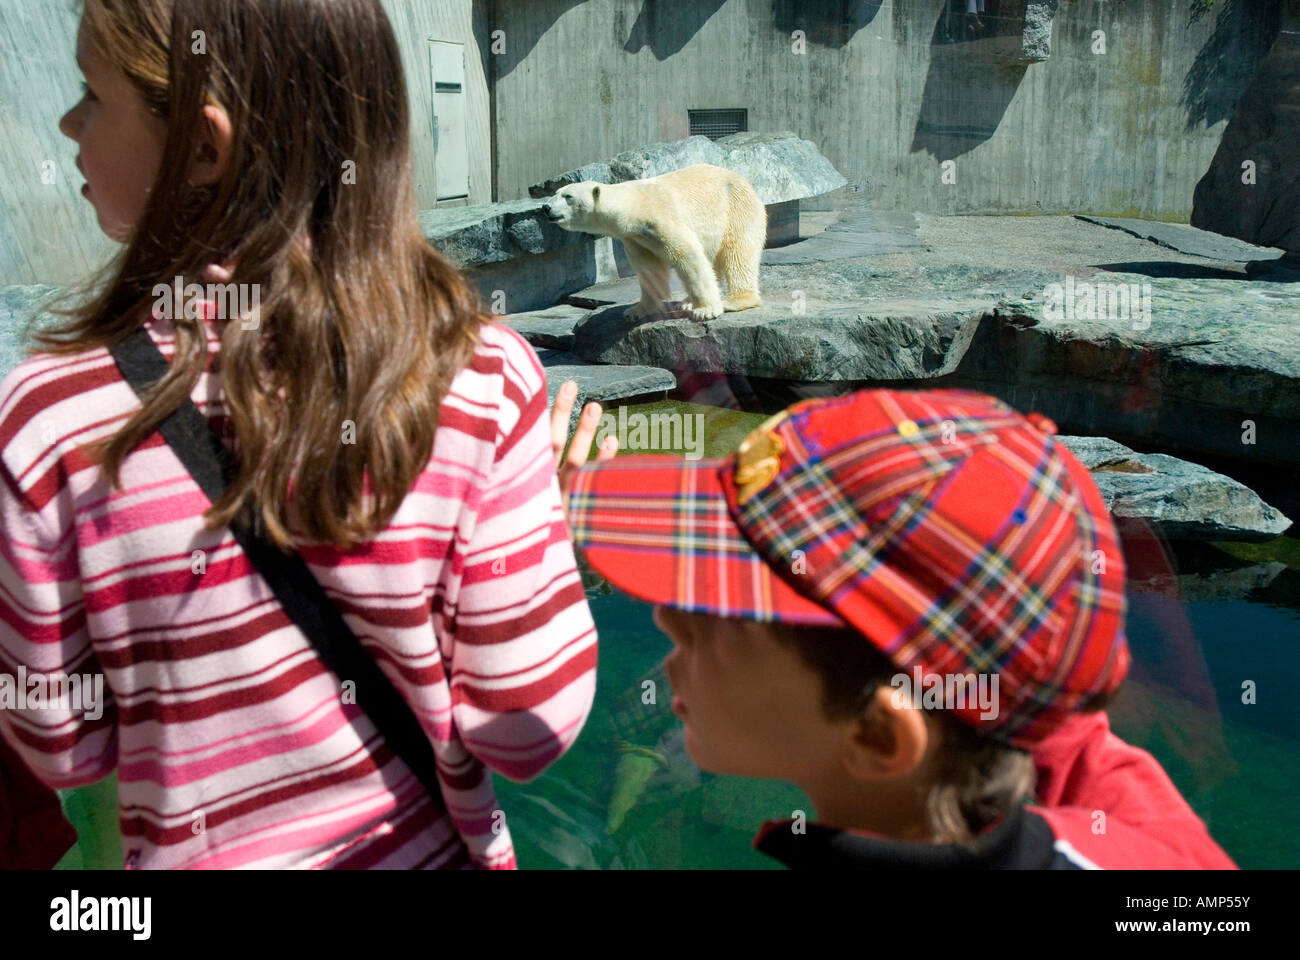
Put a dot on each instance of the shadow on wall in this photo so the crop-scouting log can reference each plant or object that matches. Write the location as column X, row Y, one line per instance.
column 958, row 23
column 828, row 23
column 526, row 28
column 1243, row 34
column 970, row 81
column 665, row 27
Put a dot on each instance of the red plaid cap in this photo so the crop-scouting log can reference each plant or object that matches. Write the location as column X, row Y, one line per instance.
column 949, row 530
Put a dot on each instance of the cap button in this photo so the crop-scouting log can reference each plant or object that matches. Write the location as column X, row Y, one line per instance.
column 1042, row 423
column 758, row 458
column 907, row 428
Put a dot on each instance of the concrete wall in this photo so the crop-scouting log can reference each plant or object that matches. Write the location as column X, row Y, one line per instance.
column 48, row 232
column 1127, row 132
column 463, row 21
column 887, row 97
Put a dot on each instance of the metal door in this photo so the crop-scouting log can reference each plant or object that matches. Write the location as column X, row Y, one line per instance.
column 451, row 154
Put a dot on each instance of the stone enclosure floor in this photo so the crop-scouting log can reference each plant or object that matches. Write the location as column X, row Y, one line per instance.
column 916, row 300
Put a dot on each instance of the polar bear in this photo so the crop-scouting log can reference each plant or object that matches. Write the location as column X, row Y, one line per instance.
column 705, row 222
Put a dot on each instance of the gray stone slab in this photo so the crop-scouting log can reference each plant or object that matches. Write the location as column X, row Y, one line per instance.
column 1216, row 368
column 780, row 166
column 602, row 383
column 551, row 328
column 1183, row 500
column 861, row 233
column 882, row 339
column 535, row 282
column 1187, row 239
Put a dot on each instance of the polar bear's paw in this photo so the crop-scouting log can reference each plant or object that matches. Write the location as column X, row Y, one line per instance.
column 705, row 311
column 742, row 300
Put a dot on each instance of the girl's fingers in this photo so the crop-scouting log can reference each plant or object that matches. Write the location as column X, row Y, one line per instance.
column 580, row 448
column 560, row 412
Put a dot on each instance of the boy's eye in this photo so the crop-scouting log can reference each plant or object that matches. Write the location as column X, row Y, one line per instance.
column 86, row 92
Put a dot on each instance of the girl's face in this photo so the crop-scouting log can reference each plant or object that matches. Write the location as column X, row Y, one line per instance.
column 121, row 142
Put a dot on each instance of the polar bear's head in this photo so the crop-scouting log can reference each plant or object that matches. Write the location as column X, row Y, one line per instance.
column 574, row 207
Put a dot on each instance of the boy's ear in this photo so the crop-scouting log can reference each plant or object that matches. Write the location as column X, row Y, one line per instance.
column 213, row 154
column 889, row 739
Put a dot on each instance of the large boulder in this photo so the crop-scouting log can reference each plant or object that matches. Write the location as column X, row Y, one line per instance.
column 514, row 255
column 1184, row 501
column 493, row 232
column 780, row 166
column 647, row 161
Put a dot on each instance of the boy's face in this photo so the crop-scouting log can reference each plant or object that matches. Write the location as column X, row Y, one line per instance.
column 750, row 705
column 121, row 143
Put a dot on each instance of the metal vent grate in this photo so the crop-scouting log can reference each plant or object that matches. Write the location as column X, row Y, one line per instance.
column 718, row 123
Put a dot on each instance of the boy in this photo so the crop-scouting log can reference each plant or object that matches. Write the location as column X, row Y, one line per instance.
column 911, row 605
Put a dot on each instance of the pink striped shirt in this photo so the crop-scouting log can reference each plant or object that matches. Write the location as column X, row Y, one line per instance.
column 234, row 744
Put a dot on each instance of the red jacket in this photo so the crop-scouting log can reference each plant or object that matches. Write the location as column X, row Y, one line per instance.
column 1102, row 804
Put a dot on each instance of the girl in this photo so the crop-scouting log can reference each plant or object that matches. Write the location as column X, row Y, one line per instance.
column 381, row 424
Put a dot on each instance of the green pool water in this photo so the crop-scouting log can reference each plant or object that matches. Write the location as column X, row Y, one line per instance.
column 1237, row 763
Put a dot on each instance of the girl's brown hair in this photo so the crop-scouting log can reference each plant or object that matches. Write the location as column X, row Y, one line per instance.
column 361, row 320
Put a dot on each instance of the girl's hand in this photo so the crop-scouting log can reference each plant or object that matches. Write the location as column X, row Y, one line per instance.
column 580, row 448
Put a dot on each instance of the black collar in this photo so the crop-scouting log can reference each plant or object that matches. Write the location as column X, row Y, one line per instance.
column 1020, row 840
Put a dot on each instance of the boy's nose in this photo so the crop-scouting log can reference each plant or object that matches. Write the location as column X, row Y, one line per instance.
column 669, row 664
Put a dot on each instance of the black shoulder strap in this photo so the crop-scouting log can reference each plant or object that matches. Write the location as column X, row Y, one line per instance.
column 199, row 448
